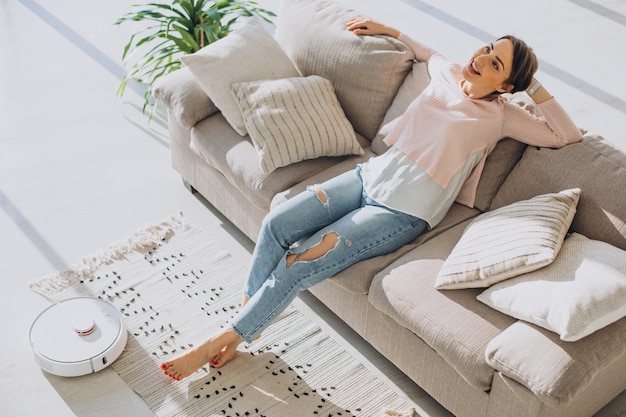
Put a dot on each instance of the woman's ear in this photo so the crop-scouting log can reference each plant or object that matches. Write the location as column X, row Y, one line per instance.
column 506, row 88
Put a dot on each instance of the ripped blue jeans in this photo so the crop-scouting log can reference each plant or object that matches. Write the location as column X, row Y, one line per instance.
column 336, row 215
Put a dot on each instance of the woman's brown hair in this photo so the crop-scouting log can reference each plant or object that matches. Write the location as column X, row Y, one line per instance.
column 525, row 64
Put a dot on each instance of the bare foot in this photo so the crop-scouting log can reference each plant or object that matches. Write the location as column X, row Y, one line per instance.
column 217, row 350
column 186, row 365
column 226, row 355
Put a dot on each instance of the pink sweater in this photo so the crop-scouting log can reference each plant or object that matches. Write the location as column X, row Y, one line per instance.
column 442, row 127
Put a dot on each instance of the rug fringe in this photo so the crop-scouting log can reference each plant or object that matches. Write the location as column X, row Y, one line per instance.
column 141, row 240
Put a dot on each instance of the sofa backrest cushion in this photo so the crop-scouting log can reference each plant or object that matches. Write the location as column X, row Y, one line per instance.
column 498, row 166
column 366, row 71
column 593, row 165
column 412, row 86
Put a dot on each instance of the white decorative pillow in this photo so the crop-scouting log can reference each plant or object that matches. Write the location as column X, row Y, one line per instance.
column 294, row 119
column 512, row 240
column 582, row 291
column 246, row 54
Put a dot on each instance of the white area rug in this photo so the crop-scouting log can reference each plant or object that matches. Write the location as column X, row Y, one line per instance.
column 174, row 286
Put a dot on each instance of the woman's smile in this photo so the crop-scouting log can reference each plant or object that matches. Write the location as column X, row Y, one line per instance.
column 472, row 68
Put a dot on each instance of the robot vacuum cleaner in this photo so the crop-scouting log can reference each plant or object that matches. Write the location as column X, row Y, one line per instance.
column 77, row 336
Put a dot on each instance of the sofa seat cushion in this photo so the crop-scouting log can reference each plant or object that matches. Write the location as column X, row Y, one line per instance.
column 366, row 71
column 554, row 370
column 453, row 323
column 214, row 140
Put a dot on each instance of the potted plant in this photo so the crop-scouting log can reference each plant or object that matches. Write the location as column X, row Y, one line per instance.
column 172, row 30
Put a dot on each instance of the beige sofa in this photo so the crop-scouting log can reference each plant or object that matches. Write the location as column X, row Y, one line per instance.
column 472, row 359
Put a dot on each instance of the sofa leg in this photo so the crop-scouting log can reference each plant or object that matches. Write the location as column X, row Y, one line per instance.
column 189, row 187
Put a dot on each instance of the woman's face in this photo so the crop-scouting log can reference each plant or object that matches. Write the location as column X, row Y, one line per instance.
column 490, row 66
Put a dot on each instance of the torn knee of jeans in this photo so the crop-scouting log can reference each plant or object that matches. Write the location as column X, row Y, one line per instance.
column 328, row 242
column 321, row 194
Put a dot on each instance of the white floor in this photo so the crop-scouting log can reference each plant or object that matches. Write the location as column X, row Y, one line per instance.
column 80, row 168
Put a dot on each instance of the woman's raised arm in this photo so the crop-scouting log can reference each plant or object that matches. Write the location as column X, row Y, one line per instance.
column 367, row 26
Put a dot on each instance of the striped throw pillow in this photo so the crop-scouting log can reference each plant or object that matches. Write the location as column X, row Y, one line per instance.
column 294, row 119
column 510, row 241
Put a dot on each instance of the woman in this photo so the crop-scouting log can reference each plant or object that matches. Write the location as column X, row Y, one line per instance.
column 437, row 153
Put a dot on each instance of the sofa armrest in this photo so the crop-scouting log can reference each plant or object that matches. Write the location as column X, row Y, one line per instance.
column 183, row 97
column 556, row 371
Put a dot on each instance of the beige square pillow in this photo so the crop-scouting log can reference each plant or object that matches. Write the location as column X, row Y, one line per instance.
column 512, row 240
column 582, row 291
column 294, row 119
column 246, row 54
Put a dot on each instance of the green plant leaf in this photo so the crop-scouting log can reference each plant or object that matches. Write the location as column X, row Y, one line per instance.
column 175, row 29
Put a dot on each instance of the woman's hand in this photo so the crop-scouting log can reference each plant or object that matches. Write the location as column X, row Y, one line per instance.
column 367, row 26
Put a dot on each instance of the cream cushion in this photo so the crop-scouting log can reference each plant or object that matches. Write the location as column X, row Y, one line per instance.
column 294, row 119
column 512, row 240
column 582, row 291
column 246, row 54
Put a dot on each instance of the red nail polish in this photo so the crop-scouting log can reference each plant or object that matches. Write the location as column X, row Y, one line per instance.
column 163, row 366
